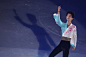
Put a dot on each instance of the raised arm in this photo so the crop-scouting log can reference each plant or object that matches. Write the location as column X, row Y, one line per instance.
column 57, row 17
column 20, row 20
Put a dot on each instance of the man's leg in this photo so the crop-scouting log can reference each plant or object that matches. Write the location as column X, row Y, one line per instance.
column 55, row 51
column 65, row 52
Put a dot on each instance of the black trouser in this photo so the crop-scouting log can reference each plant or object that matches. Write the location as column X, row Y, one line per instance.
column 63, row 46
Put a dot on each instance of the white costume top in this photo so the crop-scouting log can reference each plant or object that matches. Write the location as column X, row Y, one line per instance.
column 69, row 32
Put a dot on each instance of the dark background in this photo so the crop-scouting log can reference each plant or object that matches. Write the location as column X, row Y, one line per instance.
column 27, row 27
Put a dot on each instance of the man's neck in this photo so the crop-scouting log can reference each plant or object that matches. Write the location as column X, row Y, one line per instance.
column 68, row 22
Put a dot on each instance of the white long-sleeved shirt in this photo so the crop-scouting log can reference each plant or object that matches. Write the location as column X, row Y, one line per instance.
column 69, row 32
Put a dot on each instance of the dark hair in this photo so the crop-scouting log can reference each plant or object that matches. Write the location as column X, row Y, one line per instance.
column 72, row 13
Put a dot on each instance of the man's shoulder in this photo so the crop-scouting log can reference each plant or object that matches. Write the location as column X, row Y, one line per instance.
column 74, row 26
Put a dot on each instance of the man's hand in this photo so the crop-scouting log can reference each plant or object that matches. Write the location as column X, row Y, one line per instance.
column 59, row 7
column 73, row 48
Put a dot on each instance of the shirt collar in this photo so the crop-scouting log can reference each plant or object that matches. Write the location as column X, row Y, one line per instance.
column 70, row 24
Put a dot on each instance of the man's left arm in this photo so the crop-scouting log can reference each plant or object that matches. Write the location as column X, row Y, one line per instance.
column 75, row 37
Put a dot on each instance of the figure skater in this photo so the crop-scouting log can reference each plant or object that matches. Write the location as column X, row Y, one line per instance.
column 69, row 34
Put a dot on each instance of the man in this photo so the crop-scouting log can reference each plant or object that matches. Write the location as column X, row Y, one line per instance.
column 69, row 34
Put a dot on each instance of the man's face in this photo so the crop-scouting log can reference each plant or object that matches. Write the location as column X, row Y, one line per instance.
column 69, row 17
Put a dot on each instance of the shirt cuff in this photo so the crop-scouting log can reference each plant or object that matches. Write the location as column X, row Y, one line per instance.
column 56, row 14
column 73, row 45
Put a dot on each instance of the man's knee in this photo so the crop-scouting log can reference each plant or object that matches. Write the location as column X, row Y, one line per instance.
column 51, row 55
